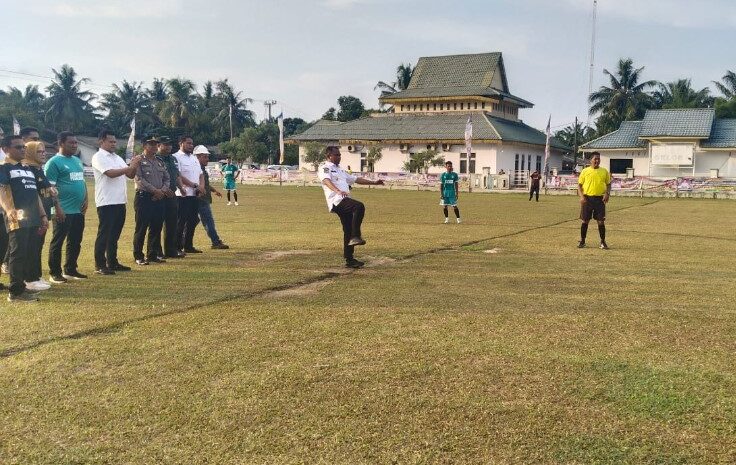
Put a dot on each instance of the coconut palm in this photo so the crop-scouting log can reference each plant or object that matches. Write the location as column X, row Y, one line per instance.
column 69, row 107
column 728, row 85
column 625, row 99
column 403, row 76
column 179, row 107
column 127, row 100
column 680, row 94
column 232, row 100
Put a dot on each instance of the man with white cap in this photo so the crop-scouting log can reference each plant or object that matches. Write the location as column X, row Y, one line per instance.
column 192, row 179
column 205, row 211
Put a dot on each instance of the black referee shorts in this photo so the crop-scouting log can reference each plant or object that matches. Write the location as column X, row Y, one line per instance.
column 594, row 207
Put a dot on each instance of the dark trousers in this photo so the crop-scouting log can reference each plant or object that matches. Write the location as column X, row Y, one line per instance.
column 187, row 221
column 112, row 219
column 351, row 214
column 149, row 217
column 19, row 259
column 35, row 247
column 71, row 230
column 533, row 190
column 170, row 209
column 3, row 237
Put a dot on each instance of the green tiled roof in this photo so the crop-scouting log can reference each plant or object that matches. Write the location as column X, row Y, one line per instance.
column 627, row 136
column 691, row 122
column 723, row 134
column 437, row 127
column 458, row 75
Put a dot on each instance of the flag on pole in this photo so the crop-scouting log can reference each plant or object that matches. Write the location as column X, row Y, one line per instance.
column 16, row 127
column 131, row 142
column 280, row 120
column 469, row 137
column 546, row 147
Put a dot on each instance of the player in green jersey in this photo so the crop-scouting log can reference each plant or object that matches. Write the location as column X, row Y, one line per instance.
column 449, row 188
column 230, row 172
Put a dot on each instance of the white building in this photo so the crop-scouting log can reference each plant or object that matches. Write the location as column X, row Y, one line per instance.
column 432, row 113
column 670, row 143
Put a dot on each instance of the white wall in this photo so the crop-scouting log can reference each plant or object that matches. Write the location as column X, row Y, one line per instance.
column 724, row 162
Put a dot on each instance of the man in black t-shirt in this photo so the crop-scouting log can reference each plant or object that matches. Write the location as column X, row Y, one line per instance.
column 24, row 215
column 534, row 188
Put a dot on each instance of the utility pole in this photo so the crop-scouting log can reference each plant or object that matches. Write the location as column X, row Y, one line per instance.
column 575, row 144
column 592, row 59
column 231, row 122
column 268, row 104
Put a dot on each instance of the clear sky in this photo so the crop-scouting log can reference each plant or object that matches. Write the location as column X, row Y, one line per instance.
column 305, row 54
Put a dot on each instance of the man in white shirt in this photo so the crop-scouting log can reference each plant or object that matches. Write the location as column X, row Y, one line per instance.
column 192, row 180
column 110, row 196
column 336, row 184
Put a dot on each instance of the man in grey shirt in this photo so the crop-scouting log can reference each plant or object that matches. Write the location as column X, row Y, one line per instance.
column 151, row 187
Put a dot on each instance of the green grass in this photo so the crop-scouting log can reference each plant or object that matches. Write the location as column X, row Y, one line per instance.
column 436, row 353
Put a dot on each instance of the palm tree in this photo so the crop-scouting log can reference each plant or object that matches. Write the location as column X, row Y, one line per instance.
column 27, row 106
column 625, row 99
column 728, row 86
column 127, row 100
column 69, row 107
column 680, row 94
column 179, row 107
column 403, row 76
column 232, row 101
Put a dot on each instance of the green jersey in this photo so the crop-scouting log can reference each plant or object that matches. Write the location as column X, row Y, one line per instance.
column 229, row 172
column 448, row 182
column 67, row 174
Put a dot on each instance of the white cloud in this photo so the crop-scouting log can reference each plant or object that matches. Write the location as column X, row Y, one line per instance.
column 119, row 9
column 341, row 4
column 675, row 13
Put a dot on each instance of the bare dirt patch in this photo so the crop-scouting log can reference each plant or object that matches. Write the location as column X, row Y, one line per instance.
column 299, row 291
column 272, row 256
column 492, row 251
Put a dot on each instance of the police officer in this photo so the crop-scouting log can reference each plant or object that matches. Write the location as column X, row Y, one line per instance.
column 170, row 205
column 151, row 187
column 336, row 184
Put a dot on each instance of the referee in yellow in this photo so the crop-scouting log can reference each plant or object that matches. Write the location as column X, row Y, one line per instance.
column 594, row 188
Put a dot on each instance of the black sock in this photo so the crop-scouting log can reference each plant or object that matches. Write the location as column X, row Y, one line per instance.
column 602, row 232
column 445, row 211
column 228, row 196
column 235, row 195
column 583, row 231
column 457, row 213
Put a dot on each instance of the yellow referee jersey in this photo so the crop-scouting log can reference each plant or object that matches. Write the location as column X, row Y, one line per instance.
column 595, row 181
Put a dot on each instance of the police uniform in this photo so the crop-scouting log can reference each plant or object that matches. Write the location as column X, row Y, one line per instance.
column 171, row 209
column 350, row 211
column 150, row 176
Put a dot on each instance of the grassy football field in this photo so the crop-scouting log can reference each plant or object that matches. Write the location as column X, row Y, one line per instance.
column 493, row 341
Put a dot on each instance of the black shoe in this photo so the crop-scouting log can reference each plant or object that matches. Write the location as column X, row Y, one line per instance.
column 119, row 267
column 23, row 297
column 220, row 246
column 2, row 286
column 141, row 261
column 192, row 250
column 57, row 279
column 604, row 246
column 354, row 264
column 581, row 245
column 104, row 271
column 357, row 241
column 156, row 260
column 74, row 275
column 177, row 255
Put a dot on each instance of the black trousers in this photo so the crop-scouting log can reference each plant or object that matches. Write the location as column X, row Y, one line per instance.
column 35, row 248
column 534, row 189
column 170, row 210
column 71, row 230
column 19, row 259
column 3, row 237
column 351, row 213
column 187, row 221
column 112, row 220
column 149, row 217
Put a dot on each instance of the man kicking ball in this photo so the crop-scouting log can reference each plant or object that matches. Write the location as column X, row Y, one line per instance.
column 449, row 188
column 336, row 183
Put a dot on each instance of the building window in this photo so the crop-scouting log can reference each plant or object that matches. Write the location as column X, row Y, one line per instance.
column 539, row 163
column 475, row 107
column 619, row 165
column 483, row 105
column 363, row 164
column 415, row 107
column 529, row 162
column 516, row 162
column 421, row 107
column 454, row 105
column 442, row 106
column 461, row 105
column 402, row 107
column 522, row 163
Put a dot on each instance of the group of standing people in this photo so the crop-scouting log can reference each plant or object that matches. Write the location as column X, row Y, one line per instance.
column 173, row 195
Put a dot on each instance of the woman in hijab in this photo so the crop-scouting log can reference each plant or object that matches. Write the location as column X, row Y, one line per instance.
column 35, row 158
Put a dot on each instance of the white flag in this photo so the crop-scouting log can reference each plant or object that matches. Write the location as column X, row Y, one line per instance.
column 280, row 120
column 546, row 146
column 131, row 142
column 16, row 127
column 469, row 137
